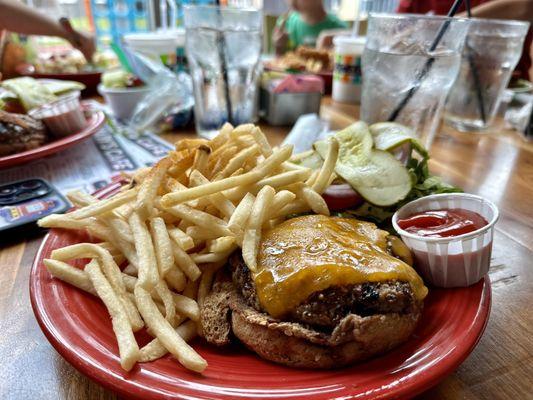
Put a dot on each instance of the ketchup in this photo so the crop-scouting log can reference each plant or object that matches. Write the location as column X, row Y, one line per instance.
column 443, row 223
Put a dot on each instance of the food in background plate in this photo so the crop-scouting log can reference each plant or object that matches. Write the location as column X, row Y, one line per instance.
column 73, row 62
column 327, row 292
column 176, row 226
column 29, row 92
column 19, row 133
column 120, row 79
column 66, row 62
column 105, row 60
column 25, row 93
column 52, row 103
column 305, row 59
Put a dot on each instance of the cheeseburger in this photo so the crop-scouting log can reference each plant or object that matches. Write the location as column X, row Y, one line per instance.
column 328, row 291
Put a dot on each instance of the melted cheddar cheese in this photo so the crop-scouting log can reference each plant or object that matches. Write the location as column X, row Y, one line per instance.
column 308, row 254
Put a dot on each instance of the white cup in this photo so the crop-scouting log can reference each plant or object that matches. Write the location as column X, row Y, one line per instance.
column 456, row 261
column 347, row 70
column 123, row 101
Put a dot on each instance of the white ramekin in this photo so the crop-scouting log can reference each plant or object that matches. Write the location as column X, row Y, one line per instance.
column 123, row 100
column 456, row 261
column 63, row 117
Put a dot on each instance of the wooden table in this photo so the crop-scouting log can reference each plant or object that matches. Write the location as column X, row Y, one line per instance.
column 497, row 165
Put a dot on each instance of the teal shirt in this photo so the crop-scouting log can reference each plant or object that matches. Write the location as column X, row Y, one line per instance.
column 303, row 34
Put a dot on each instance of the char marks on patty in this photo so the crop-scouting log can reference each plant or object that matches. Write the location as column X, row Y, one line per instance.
column 325, row 309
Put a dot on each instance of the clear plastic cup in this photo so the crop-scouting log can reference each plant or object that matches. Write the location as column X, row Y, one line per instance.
column 492, row 50
column 62, row 117
column 406, row 75
column 223, row 46
column 456, row 261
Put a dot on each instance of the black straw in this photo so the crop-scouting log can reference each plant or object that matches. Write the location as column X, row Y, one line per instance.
column 221, row 47
column 429, row 63
column 473, row 69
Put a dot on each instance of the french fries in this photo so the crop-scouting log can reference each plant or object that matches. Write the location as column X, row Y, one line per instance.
column 75, row 276
column 252, row 232
column 183, row 240
column 176, row 279
column 154, row 350
column 201, row 218
column 109, row 268
column 172, row 341
column 162, row 245
column 201, row 159
column 238, row 219
column 260, row 171
column 262, row 141
column 81, row 199
column 104, row 206
column 239, row 159
column 186, row 306
column 127, row 345
column 164, row 293
column 212, row 257
column 148, row 189
column 186, row 263
column 176, row 227
column 147, row 273
column 328, row 168
column 218, row 200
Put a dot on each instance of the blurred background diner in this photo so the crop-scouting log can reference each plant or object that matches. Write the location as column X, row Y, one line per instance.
column 158, row 67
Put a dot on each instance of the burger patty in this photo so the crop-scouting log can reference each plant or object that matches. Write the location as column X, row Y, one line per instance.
column 20, row 132
column 325, row 309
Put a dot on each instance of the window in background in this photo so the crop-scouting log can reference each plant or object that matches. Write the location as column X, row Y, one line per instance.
column 112, row 18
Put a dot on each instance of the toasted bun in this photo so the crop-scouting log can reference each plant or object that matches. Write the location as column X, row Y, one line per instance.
column 354, row 339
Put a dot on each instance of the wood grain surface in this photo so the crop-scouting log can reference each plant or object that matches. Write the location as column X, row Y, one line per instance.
column 497, row 165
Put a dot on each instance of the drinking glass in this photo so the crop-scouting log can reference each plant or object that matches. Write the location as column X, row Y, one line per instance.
column 407, row 72
column 492, row 50
column 223, row 46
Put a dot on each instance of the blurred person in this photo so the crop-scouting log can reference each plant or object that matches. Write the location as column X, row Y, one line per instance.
column 19, row 18
column 521, row 10
column 302, row 25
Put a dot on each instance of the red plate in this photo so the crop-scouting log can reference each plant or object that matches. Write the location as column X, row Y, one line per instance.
column 78, row 326
column 94, row 123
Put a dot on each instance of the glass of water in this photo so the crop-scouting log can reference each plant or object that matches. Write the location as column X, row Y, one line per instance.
column 223, row 46
column 492, row 50
column 407, row 73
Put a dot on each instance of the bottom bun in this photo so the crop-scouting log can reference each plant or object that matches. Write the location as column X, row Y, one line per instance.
column 354, row 339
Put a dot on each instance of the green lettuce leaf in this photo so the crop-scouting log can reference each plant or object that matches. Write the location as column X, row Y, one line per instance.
column 29, row 91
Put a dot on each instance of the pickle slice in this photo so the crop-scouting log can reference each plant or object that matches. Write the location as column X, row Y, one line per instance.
column 389, row 136
column 375, row 174
column 382, row 180
column 355, row 143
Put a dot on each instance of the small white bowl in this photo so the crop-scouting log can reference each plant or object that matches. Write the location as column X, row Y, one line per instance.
column 456, row 261
column 123, row 100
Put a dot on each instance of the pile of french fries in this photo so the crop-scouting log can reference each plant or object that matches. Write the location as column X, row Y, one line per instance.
column 175, row 225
